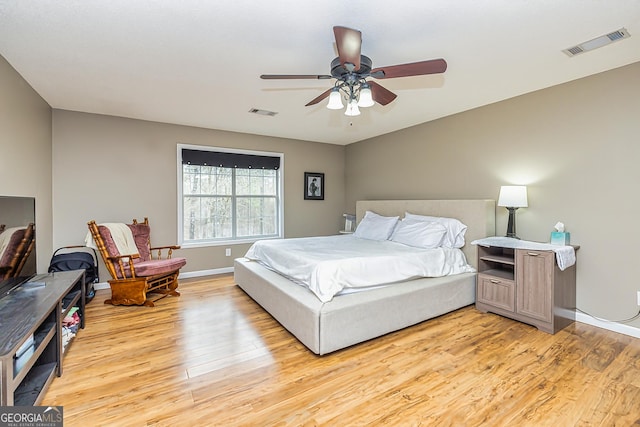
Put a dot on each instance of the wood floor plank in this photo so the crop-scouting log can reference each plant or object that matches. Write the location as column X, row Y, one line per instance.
column 214, row 357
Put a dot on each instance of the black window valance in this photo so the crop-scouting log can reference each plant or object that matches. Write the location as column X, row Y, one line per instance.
column 229, row 160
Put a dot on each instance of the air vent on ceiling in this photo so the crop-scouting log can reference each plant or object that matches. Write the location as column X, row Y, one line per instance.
column 620, row 34
column 263, row 112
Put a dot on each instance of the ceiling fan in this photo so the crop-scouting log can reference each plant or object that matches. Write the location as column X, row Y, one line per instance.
column 351, row 69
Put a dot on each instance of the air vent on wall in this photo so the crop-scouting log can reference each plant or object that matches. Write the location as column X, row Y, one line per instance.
column 263, row 112
column 620, row 34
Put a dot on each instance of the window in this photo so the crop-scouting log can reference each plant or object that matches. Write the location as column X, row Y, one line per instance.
column 228, row 195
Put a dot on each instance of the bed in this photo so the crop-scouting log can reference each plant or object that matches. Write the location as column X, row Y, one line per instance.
column 348, row 319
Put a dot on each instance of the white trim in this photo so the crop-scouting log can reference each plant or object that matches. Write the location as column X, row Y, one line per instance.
column 180, row 225
column 101, row 285
column 201, row 273
column 210, row 243
column 620, row 328
column 610, row 326
column 191, row 274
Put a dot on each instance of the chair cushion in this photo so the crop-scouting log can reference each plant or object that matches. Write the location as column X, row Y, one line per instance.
column 112, row 249
column 145, row 266
column 141, row 233
column 159, row 266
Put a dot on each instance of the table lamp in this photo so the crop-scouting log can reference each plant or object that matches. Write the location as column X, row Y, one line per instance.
column 512, row 197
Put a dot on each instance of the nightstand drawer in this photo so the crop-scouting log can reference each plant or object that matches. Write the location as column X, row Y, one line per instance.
column 497, row 291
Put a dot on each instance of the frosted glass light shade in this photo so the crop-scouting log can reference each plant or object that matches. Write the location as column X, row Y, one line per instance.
column 352, row 108
column 513, row 196
column 335, row 100
column 366, row 99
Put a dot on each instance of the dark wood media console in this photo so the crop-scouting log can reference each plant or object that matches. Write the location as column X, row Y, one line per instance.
column 31, row 344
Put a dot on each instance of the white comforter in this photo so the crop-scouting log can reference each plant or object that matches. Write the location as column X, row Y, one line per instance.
column 331, row 264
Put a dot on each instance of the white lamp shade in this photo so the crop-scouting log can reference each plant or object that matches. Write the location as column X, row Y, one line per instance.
column 335, row 100
column 366, row 99
column 352, row 108
column 513, row 196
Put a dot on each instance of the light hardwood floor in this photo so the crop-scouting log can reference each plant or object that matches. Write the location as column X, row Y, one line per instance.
column 214, row 357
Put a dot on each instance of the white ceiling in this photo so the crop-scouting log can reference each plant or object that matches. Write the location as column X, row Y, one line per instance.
column 197, row 62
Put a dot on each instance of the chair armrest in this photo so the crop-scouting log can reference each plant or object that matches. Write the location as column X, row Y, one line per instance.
column 170, row 249
column 119, row 257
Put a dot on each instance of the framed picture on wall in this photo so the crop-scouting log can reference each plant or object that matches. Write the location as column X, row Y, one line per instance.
column 313, row 186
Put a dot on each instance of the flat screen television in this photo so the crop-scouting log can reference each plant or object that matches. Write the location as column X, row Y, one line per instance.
column 16, row 213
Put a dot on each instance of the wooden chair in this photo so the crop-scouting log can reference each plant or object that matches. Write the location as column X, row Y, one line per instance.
column 19, row 244
column 135, row 275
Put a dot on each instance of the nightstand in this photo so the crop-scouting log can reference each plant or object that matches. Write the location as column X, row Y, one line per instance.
column 526, row 285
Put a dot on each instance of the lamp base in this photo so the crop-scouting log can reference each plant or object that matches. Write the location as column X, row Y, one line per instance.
column 511, row 225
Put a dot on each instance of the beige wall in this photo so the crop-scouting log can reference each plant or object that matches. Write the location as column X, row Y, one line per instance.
column 576, row 146
column 113, row 169
column 25, row 156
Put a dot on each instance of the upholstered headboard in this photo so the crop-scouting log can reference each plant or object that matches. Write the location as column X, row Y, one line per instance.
column 478, row 215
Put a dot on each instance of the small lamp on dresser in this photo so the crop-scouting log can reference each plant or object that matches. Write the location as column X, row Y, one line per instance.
column 512, row 197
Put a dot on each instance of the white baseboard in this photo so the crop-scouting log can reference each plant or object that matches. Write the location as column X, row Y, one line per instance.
column 610, row 326
column 580, row 317
column 101, row 285
column 201, row 273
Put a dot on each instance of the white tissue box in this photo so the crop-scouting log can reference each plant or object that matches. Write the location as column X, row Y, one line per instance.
column 558, row 238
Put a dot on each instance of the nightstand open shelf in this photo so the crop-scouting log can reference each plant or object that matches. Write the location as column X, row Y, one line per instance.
column 503, row 274
column 495, row 261
column 498, row 259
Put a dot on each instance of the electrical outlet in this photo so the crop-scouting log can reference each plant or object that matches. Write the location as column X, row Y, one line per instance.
column 227, row 252
column 638, row 298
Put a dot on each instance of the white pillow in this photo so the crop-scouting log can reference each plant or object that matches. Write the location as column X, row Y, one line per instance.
column 455, row 229
column 421, row 234
column 376, row 227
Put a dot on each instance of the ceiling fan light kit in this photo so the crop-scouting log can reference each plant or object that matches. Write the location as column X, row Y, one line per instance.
column 366, row 98
column 356, row 95
column 335, row 100
column 351, row 69
column 352, row 108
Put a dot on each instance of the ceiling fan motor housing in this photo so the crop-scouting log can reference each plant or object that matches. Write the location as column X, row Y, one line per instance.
column 339, row 71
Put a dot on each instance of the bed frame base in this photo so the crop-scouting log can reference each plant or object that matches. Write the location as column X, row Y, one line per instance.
column 350, row 319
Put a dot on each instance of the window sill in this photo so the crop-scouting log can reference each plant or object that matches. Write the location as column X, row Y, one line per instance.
column 203, row 244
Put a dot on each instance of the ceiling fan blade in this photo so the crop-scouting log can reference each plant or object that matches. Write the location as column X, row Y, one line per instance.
column 433, row 66
column 348, row 42
column 380, row 94
column 320, row 97
column 293, row 76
